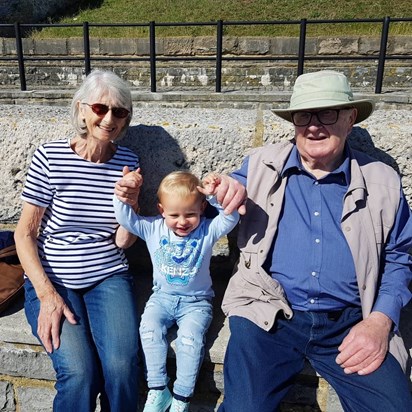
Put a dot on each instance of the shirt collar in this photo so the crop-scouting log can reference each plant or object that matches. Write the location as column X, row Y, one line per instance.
column 294, row 162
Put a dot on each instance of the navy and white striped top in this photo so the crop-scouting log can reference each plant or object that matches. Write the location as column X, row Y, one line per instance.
column 76, row 237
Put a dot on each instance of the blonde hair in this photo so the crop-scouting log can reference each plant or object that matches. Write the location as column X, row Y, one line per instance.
column 181, row 184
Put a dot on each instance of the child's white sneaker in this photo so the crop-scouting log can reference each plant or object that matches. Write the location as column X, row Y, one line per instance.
column 179, row 406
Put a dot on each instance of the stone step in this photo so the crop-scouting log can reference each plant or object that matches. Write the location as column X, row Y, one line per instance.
column 27, row 377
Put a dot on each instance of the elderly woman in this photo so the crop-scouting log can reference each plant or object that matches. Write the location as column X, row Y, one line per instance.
column 79, row 295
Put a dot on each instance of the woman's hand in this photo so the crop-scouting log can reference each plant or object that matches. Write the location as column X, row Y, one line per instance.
column 127, row 189
column 52, row 306
column 53, row 310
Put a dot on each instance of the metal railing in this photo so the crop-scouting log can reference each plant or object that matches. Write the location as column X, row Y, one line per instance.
column 219, row 57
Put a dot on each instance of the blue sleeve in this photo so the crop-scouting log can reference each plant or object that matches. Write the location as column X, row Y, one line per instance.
column 241, row 174
column 394, row 290
column 222, row 224
column 125, row 215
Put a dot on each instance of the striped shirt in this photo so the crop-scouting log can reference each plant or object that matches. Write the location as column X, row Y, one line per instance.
column 76, row 237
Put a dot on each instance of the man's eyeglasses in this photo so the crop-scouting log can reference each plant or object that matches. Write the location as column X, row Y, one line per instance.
column 326, row 117
column 102, row 109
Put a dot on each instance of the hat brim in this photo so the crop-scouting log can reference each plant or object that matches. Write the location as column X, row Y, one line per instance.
column 364, row 107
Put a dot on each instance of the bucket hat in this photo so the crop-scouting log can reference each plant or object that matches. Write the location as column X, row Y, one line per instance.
column 324, row 89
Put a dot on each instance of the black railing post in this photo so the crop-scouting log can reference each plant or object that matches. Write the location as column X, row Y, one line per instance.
column 86, row 45
column 152, row 57
column 382, row 55
column 219, row 53
column 20, row 57
column 302, row 45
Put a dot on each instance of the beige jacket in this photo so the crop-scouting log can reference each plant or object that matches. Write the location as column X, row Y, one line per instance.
column 370, row 207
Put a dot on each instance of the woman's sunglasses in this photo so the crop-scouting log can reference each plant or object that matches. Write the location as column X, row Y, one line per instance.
column 102, row 109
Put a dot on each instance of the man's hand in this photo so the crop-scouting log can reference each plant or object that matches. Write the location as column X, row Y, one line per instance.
column 127, row 189
column 365, row 347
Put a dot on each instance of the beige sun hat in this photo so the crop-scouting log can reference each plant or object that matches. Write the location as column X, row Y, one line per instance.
column 324, row 89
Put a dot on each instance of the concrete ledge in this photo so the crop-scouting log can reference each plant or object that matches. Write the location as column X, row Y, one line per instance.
column 190, row 99
column 27, row 377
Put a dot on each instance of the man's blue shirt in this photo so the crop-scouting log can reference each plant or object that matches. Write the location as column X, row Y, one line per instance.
column 310, row 256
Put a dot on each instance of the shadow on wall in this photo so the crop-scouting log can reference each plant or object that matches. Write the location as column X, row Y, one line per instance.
column 361, row 140
column 159, row 154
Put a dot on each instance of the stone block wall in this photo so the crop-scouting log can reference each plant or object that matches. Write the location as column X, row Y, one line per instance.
column 169, row 138
column 200, row 139
column 273, row 74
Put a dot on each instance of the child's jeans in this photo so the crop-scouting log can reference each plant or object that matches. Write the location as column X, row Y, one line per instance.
column 193, row 316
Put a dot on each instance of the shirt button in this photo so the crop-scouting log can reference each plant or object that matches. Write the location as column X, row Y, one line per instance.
column 316, row 213
column 316, row 183
column 312, row 301
column 347, row 228
column 317, row 240
column 313, row 273
column 266, row 322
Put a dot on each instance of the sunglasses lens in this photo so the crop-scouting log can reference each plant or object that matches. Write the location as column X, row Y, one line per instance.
column 99, row 109
column 102, row 109
column 120, row 112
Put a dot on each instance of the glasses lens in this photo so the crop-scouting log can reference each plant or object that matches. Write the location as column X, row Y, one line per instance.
column 120, row 112
column 99, row 109
column 301, row 118
column 329, row 116
column 326, row 117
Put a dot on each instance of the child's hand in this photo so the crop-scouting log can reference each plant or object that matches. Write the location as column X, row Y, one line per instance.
column 210, row 184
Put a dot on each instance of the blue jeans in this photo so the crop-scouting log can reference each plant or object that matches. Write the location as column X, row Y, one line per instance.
column 193, row 316
column 100, row 353
column 260, row 366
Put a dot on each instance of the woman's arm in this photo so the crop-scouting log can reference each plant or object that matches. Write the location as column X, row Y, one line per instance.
column 52, row 306
column 127, row 190
column 123, row 238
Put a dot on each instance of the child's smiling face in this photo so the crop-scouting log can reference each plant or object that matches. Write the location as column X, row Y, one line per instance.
column 182, row 214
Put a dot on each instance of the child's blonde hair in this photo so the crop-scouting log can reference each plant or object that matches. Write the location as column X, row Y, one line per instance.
column 180, row 184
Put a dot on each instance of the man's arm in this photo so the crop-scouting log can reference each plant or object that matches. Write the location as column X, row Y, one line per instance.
column 365, row 347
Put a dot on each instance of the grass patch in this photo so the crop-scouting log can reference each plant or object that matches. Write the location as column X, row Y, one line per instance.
column 209, row 11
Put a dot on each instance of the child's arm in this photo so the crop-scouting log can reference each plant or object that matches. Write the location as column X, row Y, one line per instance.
column 223, row 223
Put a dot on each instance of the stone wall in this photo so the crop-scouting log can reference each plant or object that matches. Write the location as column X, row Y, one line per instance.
column 199, row 139
column 169, row 138
column 274, row 74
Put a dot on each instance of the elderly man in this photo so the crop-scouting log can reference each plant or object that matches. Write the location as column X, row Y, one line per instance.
column 324, row 265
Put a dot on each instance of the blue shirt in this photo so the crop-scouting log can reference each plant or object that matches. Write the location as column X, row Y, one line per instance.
column 180, row 263
column 310, row 256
